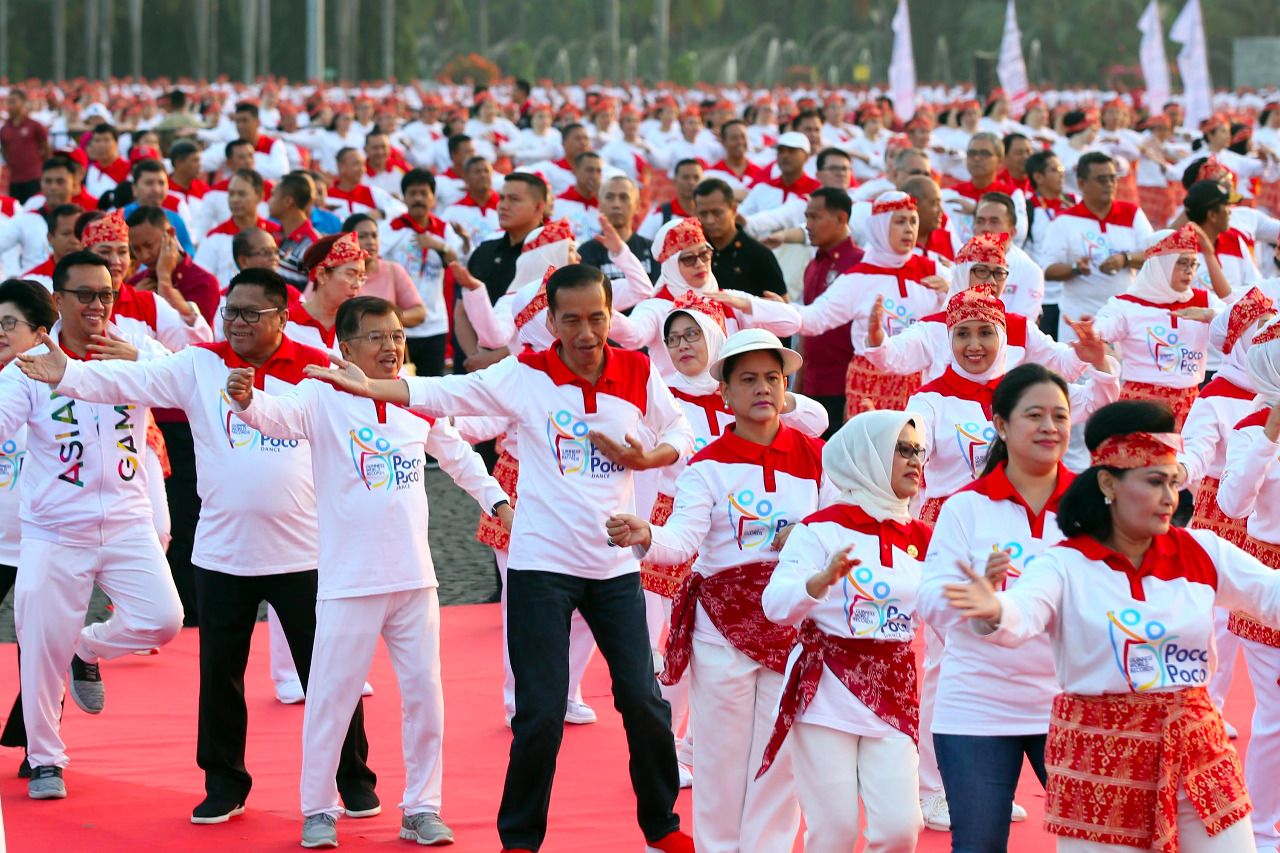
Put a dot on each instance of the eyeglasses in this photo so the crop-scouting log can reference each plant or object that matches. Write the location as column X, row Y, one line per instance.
column 249, row 315
column 86, row 297
column 379, row 338
column 910, row 451
column 703, row 257
column 980, row 154
column 1103, row 179
column 982, row 273
column 350, row 274
column 1188, row 264
column 691, row 336
column 8, row 324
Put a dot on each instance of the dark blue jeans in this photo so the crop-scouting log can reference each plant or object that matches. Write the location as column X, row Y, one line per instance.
column 980, row 775
column 539, row 605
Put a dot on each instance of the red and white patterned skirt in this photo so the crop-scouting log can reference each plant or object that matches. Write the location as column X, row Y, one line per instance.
column 1179, row 399
column 931, row 509
column 1245, row 625
column 490, row 530
column 1209, row 516
column 867, row 384
column 663, row 580
column 1157, row 203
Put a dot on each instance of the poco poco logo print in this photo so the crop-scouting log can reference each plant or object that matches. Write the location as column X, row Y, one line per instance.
column 382, row 466
column 1096, row 247
column 572, row 449
column 871, row 608
column 241, row 436
column 974, row 440
column 10, row 464
column 1019, row 559
column 1150, row 657
column 1167, row 353
column 755, row 523
column 897, row 317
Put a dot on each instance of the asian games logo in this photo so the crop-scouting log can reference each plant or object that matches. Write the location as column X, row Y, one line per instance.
column 1149, row 658
column 241, row 436
column 1017, row 565
column 897, row 317
column 1096, row 247
column 572, row 448
column 10, row 464
column 974, row 441
column 870, row 607
column 1162, row 345
column 380, row 465
column 755, row 523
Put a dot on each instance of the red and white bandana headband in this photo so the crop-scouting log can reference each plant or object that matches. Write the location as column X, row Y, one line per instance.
column 345, row 250
column 976, row 303
column 106, row 229
column 1138, row 450
column 984, row 249
column 1180, row 242
column 552, row 232
column 892, row 206
column 687, row 234
column 1249, row 309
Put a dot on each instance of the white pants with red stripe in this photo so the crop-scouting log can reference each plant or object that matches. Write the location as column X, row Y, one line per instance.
column 50, row 599
column 582, row 645
column 930, row 776
column 1262, row 758
column 1192, row 837
column 836, row 770
column 735, row 701
column 347, row 632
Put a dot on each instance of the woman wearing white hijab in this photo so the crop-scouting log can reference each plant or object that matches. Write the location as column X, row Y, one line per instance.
column 850, row 702
column 1250, row 489
column 733, row 502
column 1160, row 325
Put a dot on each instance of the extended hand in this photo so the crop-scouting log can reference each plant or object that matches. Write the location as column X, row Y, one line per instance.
column 626, row 530
column 975, row 599
column 46, row 367
column 346, row 376
column 240, row 385
column 463, row 276
column 842, row 562
column 1114, row 263
column 998, row 565
column 1203, row 315
column 104, row 348
column 936, row 283
column 1088, row 345
column 875, row 323
column 734, row 300
column 630, row 455
column 609, row 237
column 507, row 516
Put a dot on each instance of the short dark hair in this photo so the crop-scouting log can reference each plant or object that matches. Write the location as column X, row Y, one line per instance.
column 246, row 107
column 537, row 186
column 104, row 127
column 456, row 141
column 250, row 175
column 82, row 258
column 32, row 301
column 714, row 185
column 1191, row 174
column 1086, row 161
column 272, row 283
column 142, row 167
column 730, row 123
column 377, row 131
column 1038, row 163
column 344, row 151
column 416, row 178
column 182, row 149
column 827, row 153
column 20, row 94
column 1077, row 118
column 473, row 161
column 296, row 187
column 177, row 98
column 804, row 114
column 834, row 199
column 231, row 146
column 1005, row 201
column 350, row 313
column 60, row 161
column 585, row 155
column 1007, row 395
column 1082, row 509
column 523, row 85
column 1010, row 138
column 350, row 223
column 148, row 214
column 571, row 127
column 575, row 277
column 688, row 161
column 61, row 212
column 240, row 243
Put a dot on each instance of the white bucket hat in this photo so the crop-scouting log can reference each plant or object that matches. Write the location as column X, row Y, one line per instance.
column 750, row 340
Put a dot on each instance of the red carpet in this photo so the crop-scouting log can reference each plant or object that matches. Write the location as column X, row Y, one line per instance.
column 133, row 779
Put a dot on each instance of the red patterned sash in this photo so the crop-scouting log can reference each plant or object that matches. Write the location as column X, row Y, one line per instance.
column 658, row 579
column 1245, row 625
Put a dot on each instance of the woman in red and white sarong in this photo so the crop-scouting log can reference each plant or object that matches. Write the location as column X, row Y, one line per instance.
column 910, row 287
column 1228, row 399
column 1250, row 489
column 733, row 502
column 1137, row 755
column 1160, row 325
column 847, row 579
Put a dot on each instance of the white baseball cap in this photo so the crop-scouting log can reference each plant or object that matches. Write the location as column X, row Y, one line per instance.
column 750, row 340
column 794, row 139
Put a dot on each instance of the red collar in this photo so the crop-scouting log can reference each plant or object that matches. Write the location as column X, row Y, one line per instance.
column 778, row 454
column 677, row 210
column 712, row 405
column 264, row 143
column 45, row 269
column 303, row 231
column 910, row 537
column 572, row 194
column 1173, row 555
column 625, row 375
column 1121, row 214
column 952, row 384
column 435, row 224
column 1199, row 299
column 285, row 363
column 916, row 268
column 1220, row 386
column 997, row 487
column 490, row 203
column 939, row 241
column 800, row 187
column 564, row 163
column 970, row 190
column 230, row 227
column 303, row 317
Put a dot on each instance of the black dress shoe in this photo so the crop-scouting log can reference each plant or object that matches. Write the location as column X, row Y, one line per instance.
column 24, row 769
column 361, row 804
column 215, row 810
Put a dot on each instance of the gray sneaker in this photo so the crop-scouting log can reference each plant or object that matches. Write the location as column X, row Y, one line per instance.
column 426, row 828
column 320, row 830
column 46, row 784
column 86, row 685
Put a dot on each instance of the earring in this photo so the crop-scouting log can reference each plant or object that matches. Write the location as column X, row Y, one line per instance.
column 1106, row 499
column 1001, row 437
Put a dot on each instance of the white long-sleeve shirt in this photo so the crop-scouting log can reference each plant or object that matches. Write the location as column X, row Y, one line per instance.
column 142, row 312
column 258, row 499
column 1024, row 289
column 1122, row 630
column 13, row 454
column 368, row 460
column 988, row 690
column 1155, row 345
column 1076, row 234
column 874, row 602
column 568, row 489
column 1220, row 406
column 1250, row 484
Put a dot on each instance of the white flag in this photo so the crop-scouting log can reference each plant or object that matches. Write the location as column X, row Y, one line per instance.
column 1155, row 67
column 902, row 65
column 1193, row 64
column 1012, row 71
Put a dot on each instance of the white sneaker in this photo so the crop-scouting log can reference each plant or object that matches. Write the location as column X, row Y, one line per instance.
column 1019, row 814
column 1231, row 730
column 579, row 714
column 686, row 774
column 367, row 690
column 937, row 816
column 289, row 692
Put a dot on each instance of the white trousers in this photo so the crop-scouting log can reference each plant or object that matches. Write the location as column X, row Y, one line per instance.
column 51, row 596
column 283, row 670
column 930, row 776
column 347, row 632
column 582, row 645
column 1262, row 759
column 732, row 810
column 834, row 770
column 1228, row 645
column 1192, row 837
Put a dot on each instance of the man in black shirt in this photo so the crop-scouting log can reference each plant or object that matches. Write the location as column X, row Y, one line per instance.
column 618, row 199
column 739, row 262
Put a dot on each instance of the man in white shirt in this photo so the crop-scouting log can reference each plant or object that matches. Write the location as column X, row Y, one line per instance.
column 580, row 203
column 270, row 155
column 1024, row 291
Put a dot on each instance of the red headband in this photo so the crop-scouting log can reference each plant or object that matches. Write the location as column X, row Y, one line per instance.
column 1244, row 135
column 1214, row 122
column 1213, row 170
column 1137, row 450
column 1085, row 123
column 976, row 303
column 106, row 229
column 687, row 234
column 696, row 302
column 552, row 232
column 1249, row 309
column 345, row 250
column 984, row 249
column 893, row 206
column 1267, row 335
column 1180, row 242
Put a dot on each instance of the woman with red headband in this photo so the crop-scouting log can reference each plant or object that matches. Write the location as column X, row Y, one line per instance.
column 1232, row 145
column 1136, row 754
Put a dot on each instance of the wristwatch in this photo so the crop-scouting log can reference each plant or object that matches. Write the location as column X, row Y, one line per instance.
column 501, row 503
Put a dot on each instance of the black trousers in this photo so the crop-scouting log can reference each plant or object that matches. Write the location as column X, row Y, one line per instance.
column 184, row 512
column 15, row 730
column 539, row 605
column 427, row 354
column 834, row 404
column 229, row 609
column 1049, row 316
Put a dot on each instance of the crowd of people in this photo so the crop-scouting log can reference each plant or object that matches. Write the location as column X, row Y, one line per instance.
column 751, row 388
